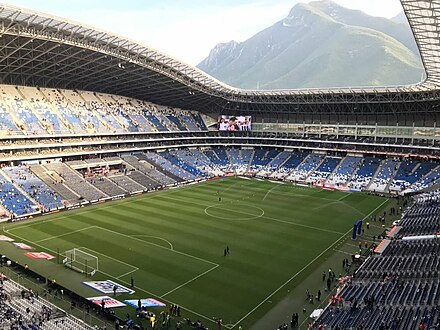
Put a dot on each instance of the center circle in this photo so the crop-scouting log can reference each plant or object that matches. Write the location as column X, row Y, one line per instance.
column 234, row 211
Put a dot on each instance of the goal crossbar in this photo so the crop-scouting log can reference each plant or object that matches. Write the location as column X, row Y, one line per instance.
column 81, row 261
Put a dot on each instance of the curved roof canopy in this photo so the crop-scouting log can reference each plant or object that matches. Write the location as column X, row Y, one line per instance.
column 42, row 50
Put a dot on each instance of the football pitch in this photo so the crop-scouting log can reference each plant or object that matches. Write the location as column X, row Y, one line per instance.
column 172, row 243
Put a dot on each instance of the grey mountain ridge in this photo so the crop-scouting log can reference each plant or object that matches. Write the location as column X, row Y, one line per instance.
column 320, row 44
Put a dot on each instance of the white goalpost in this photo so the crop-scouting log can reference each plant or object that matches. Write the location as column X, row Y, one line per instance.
column 81, row 261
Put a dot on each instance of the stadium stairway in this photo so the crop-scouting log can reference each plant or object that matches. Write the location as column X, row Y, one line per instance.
column 4, row 175
column 387, row 188
column 230, row 159
column 143, row 180
column 330, row 177
column 165, row 121
column 143, row 157
column 423, row 181
column 100, row 99
column 156, row 165
column 277, row 162
column 128, row 184
column 52, row 105
column 379, row 168
column 107, row 186
column 251, row 158
column 292, row 170
column 55, row 182
column 30, row 105
column 355, row 172
column 16, row 186
column 315, row 168
column 73, row 108
column 43, row 111
column 15, row 119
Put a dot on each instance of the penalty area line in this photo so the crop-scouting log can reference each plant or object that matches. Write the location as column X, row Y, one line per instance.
column 189, row 281
column 122, row 281
column 304, row 268
column 65, row 234
column 128, row 273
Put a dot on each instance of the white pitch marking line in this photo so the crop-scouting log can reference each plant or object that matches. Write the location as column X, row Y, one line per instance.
column 263, row 216
column 70, row 213
column 252, row 216
column 301, row 225
column 127, row 273
column 189, row 281
column 306, row 266
column 160, row 238
column 125, row 282
column 343, row 252
column 268, row 192
column 65, row 234
column 159, row 246
column 111, row 258
column 343, row 197
column 288, row 194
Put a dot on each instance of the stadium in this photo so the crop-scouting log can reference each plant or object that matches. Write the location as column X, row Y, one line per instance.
column 124, row 205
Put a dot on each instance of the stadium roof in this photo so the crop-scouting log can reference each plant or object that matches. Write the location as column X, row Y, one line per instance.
column 47, row 51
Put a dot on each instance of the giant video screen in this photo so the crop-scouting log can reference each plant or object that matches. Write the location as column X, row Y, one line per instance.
column 234, row 123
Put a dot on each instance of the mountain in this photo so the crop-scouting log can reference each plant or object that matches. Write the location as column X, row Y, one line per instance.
column 320, row 44
column 400, row 18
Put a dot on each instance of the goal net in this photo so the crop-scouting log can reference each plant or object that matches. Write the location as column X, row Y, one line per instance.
column 81, row 261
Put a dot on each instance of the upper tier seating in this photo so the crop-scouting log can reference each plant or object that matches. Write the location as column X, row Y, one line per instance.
column 37, row 111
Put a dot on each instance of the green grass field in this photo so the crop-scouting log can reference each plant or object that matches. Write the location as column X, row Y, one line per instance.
column 172, row 243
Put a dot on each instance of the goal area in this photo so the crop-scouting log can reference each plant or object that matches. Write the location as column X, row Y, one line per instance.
column 81, row 261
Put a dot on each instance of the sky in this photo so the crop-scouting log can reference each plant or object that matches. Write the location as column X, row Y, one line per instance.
column 187, row 29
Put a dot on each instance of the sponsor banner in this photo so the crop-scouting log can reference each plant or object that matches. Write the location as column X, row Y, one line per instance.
column 39, row 255
column 108, row 287
column 108, row 302
column 23, row 246
column 6, row 238
column 150, row 302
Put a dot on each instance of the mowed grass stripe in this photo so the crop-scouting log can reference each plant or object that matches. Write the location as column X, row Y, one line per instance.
column 152, row 260
column 264, row 252
column 251, row 267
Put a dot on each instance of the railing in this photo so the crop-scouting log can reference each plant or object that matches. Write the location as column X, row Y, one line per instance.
column 54, row 297
column 411, row 132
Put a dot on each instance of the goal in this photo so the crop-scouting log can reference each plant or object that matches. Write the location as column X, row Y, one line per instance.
column 81, row 261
